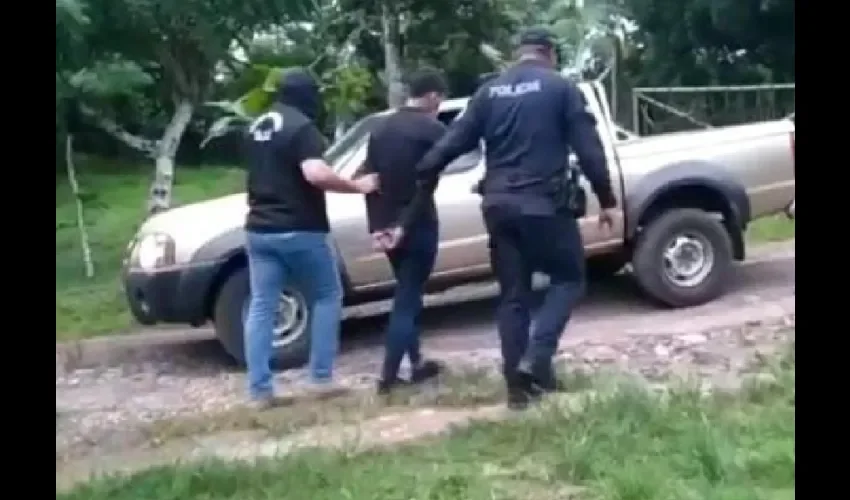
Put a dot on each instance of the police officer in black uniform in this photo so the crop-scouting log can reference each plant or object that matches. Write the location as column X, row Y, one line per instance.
column 529, row 117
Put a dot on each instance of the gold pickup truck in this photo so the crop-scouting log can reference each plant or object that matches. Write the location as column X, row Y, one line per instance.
column 685, row 200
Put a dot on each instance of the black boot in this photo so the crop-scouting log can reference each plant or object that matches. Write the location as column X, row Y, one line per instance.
column 521, row 391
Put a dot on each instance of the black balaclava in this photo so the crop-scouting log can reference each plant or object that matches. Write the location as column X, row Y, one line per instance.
column 301, row 91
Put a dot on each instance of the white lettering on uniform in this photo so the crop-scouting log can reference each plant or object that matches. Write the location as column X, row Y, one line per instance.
column 517, row 90
column 265, row 126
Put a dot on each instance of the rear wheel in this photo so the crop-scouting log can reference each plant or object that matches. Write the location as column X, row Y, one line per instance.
column 683, row 258
column 292, row 333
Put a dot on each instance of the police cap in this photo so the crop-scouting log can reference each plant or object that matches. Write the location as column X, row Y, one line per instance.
column 539, row 36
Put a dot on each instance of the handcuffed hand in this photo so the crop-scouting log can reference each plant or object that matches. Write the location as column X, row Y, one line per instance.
column 387, row 239
column 367, row 183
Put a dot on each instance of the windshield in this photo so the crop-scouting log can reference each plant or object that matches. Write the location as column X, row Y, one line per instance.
column 339, row 152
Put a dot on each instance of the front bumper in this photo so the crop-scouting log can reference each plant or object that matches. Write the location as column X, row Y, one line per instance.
column 173, row 295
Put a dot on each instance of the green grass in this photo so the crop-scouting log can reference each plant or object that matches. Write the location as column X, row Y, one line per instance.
column 629, row 444
column 115, row 207
column 771, row 229
column 115, row 198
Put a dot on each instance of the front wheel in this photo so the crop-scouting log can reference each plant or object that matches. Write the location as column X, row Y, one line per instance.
column 291, row 342
column 683, row 258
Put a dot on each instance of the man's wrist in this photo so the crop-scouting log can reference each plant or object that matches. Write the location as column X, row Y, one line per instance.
column 607, row 201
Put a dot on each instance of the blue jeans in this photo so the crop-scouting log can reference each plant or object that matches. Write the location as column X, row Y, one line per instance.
column 519, row 246
column 275, row 259
column 412, row 263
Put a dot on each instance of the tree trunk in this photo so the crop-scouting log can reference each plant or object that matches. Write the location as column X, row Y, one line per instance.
column 159, row 198
column 88, row 262
column 392, row 56
column 340, row 128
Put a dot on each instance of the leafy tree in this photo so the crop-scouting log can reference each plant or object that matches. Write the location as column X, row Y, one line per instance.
column 405, row 34
column 80, row 75
column 712, row 42
column 182, row 46
column 323, row 47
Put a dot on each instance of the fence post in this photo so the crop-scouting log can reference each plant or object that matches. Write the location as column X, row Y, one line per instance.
column 635, row 112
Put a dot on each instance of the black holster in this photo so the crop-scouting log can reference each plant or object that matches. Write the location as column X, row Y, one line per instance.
column 564, row 189
column 568, row 194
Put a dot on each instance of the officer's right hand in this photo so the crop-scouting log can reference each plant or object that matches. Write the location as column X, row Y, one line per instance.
column 606, row 218
column 367, row 183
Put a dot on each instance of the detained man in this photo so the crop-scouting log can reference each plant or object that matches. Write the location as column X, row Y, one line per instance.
column 395, row 147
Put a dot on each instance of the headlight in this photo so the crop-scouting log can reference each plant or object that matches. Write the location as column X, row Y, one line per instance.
column 154, row 251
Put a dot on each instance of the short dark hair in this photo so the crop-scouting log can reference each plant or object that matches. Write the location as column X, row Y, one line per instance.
column 425, row 81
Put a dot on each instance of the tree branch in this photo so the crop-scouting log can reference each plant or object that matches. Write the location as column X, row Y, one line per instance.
column 140, row 144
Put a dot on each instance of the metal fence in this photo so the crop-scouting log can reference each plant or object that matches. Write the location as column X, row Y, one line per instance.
column 656, row 110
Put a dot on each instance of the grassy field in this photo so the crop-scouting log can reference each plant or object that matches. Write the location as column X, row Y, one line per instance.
column 629, row 444
column 115, row 197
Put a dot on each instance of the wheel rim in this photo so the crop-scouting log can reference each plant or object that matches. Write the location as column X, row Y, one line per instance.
column 291, row 320
column 687, row 260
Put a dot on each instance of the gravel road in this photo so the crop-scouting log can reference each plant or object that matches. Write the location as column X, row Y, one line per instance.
column 101, row 405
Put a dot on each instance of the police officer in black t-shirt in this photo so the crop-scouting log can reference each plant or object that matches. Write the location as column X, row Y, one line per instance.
column 529, row 118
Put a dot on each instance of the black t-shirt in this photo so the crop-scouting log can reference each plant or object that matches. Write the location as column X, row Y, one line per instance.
column 396, row 145
column 279, row 198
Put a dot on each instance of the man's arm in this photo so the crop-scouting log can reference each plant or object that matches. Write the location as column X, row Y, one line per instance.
column 585, row 141
column 425, row 186
column 309, row 145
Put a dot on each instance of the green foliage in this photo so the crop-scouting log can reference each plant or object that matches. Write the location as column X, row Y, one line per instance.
column 440, row 33
column 110, row 78
column 343, row 90
column 712, row 42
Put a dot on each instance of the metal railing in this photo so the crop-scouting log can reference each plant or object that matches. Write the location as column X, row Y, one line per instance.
column 657, row 110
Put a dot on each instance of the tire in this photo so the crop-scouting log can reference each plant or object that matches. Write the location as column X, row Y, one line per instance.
column 230, row 306
column 604, row 266
column 651, row 269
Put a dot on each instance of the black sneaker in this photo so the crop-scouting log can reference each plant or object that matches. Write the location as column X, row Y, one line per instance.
column 549, row 384
column 542, row 380
column 426, row 370
column 385, row 387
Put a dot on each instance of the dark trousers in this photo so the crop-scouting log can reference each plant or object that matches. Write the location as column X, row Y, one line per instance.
column 519, row 246
column 412, row 263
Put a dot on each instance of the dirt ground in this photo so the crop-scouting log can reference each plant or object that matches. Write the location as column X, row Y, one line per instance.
column 186, row 401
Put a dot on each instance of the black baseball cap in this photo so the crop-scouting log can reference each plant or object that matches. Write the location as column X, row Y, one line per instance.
column 538, row 36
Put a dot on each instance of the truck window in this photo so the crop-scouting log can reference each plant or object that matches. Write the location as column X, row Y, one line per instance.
column 466, row 161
